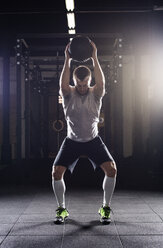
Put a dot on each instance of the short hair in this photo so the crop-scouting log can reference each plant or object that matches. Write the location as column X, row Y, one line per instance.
column 81, row 72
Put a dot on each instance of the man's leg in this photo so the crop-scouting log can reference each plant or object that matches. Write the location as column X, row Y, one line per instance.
column 58, row 184
column 59, row 191
column 109, row 181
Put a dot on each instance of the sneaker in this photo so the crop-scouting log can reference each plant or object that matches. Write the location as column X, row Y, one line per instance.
column 61, row 215
column 104, row 212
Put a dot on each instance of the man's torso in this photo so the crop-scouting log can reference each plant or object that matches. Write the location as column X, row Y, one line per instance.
column 82, row 115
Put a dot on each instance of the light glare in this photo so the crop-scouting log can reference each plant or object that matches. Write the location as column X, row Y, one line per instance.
column 69, row 5
column 71, row 31
column 71, row 20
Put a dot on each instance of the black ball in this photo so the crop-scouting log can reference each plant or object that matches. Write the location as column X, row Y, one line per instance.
column 80, row 48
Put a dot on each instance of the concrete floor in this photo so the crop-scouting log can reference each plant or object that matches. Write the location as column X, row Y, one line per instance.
column 27, row 213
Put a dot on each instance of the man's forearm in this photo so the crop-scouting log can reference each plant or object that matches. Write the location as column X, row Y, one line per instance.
column 98, row 73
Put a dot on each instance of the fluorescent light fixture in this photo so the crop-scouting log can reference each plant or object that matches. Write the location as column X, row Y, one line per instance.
column 71, row 20
column 71, row 31
column 69, row 5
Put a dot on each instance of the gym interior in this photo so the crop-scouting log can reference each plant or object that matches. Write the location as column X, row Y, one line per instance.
column 129, row 38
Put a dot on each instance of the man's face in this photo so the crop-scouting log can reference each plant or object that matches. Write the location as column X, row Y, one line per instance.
column 82, row 86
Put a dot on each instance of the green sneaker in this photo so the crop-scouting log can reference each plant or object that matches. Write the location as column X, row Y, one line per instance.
column 104, row 212
column 61, row 215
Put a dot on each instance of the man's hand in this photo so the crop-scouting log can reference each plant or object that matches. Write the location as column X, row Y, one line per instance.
column 94, row 53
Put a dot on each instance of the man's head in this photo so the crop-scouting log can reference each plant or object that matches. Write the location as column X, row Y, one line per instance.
column 82, row 79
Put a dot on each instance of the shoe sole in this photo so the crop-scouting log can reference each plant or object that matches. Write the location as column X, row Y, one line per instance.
column 105, row 221
column 58, row 222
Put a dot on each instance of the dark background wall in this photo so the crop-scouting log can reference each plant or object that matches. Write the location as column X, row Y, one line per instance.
column 140, row 25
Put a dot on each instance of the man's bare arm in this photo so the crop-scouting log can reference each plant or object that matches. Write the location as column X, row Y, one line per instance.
column 65, row 75
column 99, row 88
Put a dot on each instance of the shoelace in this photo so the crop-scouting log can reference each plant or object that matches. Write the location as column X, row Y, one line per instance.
column 59, row 211
column 107, row 211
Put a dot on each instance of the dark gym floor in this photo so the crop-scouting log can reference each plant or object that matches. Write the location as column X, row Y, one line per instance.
column 27, row 213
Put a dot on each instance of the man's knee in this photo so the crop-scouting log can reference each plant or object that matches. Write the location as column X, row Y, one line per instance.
column 58, row 172
column 109, row 168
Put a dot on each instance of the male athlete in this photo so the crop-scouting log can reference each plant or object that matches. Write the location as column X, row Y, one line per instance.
column 81, row 105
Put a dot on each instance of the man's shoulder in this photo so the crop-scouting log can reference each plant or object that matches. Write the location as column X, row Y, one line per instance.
column 91, row 89
column 72, row 88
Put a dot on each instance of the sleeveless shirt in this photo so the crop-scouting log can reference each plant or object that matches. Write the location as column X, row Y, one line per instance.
column 82, row 115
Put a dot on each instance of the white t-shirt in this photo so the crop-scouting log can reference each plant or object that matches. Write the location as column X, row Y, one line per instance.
column 82, row 115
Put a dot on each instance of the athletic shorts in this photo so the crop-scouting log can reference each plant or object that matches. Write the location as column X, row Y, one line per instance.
column 71, row 150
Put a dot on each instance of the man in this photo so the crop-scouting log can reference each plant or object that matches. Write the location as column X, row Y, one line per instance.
column 81, row 105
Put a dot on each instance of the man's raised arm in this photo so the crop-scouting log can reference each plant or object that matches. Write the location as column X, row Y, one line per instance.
column 99, row 88
column 65, row 75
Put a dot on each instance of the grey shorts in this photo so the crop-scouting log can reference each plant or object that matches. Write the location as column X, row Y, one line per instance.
column 71, row 150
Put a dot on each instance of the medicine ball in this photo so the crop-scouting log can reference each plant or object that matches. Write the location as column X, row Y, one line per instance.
column 80, row 48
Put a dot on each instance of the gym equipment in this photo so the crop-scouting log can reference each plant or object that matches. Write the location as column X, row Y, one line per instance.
column 80, row 48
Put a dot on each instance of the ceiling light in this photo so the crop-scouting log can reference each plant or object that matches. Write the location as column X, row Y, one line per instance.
column 71, row 31
column 71, row 20
column 69, row 5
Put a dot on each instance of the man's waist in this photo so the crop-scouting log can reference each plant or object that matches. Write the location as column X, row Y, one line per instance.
column 82, row 136
column 81, row 140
